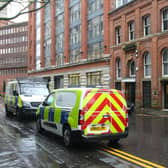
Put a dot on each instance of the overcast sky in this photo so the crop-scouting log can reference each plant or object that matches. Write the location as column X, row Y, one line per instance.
column 13, row 9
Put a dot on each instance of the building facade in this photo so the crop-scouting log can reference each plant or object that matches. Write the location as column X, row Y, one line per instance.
column 13, row 52
column 69, row 43
column 107, row 43
column 139, row 49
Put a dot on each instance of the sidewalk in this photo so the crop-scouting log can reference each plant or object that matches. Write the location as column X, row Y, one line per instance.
column 153, row 112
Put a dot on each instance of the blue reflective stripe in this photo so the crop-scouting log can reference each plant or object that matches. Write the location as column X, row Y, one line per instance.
column 41, row 112
column 51, row 114
column 64, row 116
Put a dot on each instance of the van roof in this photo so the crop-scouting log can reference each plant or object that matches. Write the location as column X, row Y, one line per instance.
column 84, row 89
column 28, row 80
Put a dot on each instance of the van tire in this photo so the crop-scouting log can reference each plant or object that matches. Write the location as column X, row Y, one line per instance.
column 67, row 135
column 38, row 125
column 114, row 141
column 19, row 114
column 7, row 112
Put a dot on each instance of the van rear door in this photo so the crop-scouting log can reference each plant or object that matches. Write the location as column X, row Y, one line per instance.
column 104, row 112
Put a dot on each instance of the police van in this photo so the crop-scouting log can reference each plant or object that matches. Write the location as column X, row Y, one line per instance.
column 84, row 113
column 24, row 95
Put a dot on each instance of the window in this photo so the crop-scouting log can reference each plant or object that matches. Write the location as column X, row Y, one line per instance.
column 60, row 22
column 49, row 99
column 165, row 19
column 74, row 80
column 118, row 68
column 95, row 27
column 75, row 55
column 132, row 69
column 118, row 35
column 165, row 62
column 75, row 13
column 75, row 35
column 120, row 3
column 60, row 41
column 131, row 28
column 95, row 50
column 47, row 45
column 65, row 99
column 60, row 58
column 94, row 6
column 146, row 25
column 147, row 64
column 94, row 79
column 47, row 40
column 59, row 5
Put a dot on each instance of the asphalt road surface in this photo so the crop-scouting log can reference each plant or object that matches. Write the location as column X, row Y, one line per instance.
column 146, row 146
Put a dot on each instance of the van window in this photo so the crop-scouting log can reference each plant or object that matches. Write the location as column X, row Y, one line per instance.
column 34, row 89
column 49, row 99
column 65, row 99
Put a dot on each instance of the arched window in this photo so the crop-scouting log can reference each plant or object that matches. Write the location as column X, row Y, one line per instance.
column 165, row 62
column 147, row 65
column 132, row 69
column 118, row 68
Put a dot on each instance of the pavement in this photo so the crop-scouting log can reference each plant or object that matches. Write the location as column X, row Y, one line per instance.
column 152, row 112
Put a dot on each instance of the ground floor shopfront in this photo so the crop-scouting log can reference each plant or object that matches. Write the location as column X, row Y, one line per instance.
column 86, row 75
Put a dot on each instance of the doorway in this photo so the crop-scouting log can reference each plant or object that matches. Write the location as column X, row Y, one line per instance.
column 58, row 82
column 166, row 95
column 130, row 92
column 147, row 94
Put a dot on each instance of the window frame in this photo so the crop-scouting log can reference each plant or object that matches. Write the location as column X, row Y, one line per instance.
column 130, row 69
column 131, row 30
column 163, row 20
column 118, row 68
column 147, row 64
column 146, row 25
column 91, row 76
column 118, row 35
column 163, row 63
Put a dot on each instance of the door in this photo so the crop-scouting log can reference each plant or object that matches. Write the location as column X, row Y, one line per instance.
column 130, row 92
column 47, row 110
column 147, row 94
column 58, row 82
column 166, row 95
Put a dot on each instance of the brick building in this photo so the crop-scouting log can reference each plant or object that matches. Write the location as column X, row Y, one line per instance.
column 13, row 51
column 139, row 49
column 70, row 44
column 108, row 43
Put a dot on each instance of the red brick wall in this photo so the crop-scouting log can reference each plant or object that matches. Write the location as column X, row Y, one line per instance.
column 153, row 44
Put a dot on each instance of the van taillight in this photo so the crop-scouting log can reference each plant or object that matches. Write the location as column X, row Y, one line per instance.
column 126, row 118
column 81, row 117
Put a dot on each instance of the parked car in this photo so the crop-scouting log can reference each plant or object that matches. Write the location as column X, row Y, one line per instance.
column 84, row 113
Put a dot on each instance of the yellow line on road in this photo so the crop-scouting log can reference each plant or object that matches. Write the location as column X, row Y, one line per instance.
column 137, row 158
column 129, row 159
column 132, row 158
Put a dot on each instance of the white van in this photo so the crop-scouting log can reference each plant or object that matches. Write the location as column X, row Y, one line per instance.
column 23, row 96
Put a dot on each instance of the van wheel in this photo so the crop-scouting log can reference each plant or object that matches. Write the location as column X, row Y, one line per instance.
column 38, row 125
column 113, row 141
column 67, row 137
column 7, row 112
column 19, row 114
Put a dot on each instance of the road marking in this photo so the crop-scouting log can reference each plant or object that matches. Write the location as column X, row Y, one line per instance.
column 131, row 158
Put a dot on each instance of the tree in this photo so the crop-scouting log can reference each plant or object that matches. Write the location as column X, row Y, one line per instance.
column 24, row 6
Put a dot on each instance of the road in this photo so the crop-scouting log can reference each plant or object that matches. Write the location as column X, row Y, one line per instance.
column 146, row 146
